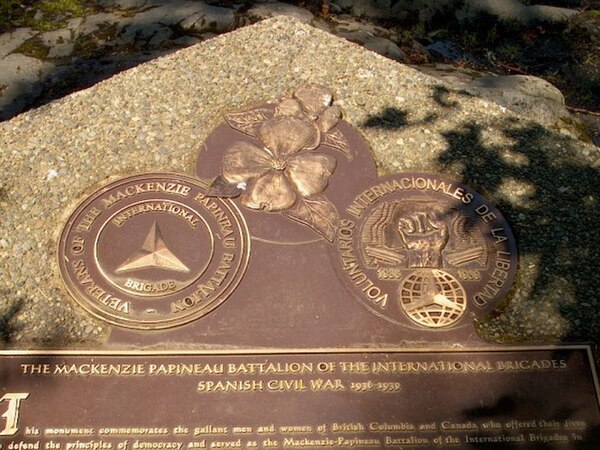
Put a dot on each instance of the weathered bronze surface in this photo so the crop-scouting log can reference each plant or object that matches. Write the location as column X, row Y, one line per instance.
column 278, row 161
column 330, row 398
column 151, row 251
column 426, row 253
column 338, row 322
column 422, row 250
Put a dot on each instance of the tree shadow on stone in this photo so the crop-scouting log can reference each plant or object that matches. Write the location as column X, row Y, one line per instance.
column 7, row 325
column 392, row 118
column 440, row 96
column 389, row 119
column 549, row 193
column 47, row 334
column 547, row 188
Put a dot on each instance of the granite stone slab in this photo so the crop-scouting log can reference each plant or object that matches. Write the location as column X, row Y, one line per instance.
column 155, row 117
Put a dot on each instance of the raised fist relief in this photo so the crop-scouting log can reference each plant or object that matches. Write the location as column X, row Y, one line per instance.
column 424, row 234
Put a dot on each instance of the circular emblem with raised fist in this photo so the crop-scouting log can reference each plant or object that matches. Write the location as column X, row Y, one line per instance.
column 422, row 250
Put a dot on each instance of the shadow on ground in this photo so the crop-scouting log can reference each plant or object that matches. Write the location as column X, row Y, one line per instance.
column 558, row 219
column 7, row 325
column 548, row 189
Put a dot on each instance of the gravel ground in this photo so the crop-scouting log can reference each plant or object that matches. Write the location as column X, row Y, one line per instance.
column 155, row 117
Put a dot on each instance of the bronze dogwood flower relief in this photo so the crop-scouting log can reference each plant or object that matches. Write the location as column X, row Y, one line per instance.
column 285, row 173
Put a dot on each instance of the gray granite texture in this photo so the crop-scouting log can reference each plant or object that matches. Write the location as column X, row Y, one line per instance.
column 155, row 117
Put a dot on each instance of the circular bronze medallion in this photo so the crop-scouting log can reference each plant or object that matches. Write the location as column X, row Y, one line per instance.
column 422, row 250
column 152, row 251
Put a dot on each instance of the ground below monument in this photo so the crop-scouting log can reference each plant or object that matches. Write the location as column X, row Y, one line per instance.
column 50, row 49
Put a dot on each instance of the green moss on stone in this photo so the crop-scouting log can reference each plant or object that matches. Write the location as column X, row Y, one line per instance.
column 34, row 47
column 87, row 45
column 54, row 13
column 75, row 8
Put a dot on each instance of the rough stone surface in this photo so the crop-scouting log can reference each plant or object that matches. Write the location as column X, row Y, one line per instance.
column 186, row 41
column 20, row 78
column 91, row 24
column 267, row 10
column 59, row 43
column 156, row 116
column 210, row 18
column 515, row 10
column 129, row 4
column 525, row 94
column 92, row 47
column 145, row 35
column 355, row 30
column 172, row 13
column 530, row 96
column 371, row 8
column 128, row 31
column 386, row 47
column 466, row 10
column 9, row 42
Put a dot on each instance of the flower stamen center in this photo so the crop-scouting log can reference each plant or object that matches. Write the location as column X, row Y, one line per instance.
column 279, row 164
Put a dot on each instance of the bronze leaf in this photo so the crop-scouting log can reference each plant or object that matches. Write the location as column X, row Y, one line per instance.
column 248, row 122
column 336, row 140
column 220, row 187
column 318, row 213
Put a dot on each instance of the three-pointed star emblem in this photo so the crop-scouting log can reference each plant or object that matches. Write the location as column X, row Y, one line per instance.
column 154, row 254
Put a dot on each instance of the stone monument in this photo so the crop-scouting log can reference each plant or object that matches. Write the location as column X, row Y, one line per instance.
column 294, row 244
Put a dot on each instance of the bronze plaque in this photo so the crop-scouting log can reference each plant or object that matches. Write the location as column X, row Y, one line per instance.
column 337, row 325
column 289, row 165
column 331, row 398
column 152, row 251
column 339, row 256
column 422, row 250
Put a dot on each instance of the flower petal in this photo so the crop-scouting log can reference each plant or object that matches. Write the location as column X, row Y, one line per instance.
column 289, row 107
column 329, row 118
column 314, row 98
column 244, row 161
column 271, row 192
column 285, row 135
column 310, row 172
